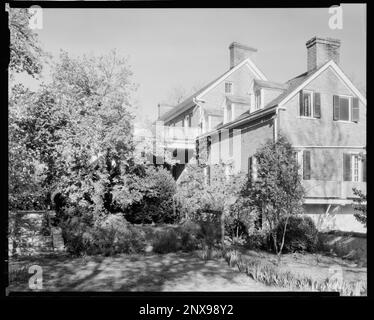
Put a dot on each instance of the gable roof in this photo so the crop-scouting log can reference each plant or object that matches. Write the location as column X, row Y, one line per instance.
column 214, row 112
column 298, row 83
column 189, row 102
column 270, row 84
column 294, row 85
column 238, row 99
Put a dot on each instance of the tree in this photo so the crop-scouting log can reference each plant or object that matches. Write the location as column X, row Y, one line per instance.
column 276, row 193
column 25, row 50
column 32, row 140
column 179, row 93
column 360, row 206
column 26, row 170
column 95, row 95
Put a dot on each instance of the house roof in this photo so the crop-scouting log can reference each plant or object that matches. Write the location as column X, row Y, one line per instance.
column 239, row 99
column 270, row 84
column 214, row 112
column 295, row 84
column 189, row 102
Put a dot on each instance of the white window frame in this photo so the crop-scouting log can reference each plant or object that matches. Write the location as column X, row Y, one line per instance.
column 256, row 106
column 349, row 108
column 359, row 167
column 299, row 159
column 231, row 85
column 311, row 104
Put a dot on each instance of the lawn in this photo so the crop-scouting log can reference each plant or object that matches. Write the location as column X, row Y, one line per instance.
column 168, row 272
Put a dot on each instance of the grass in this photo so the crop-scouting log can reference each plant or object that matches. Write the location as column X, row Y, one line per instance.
column 271, row 275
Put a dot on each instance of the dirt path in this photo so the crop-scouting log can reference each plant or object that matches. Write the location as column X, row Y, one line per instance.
column 169, row 272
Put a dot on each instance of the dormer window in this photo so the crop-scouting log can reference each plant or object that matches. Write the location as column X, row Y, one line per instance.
column 258, row 99
column 228, row 87
column 187, row 121
column 229, row 112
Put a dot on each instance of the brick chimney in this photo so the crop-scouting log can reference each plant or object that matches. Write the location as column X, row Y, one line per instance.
column 322, row 50
column 239, row 52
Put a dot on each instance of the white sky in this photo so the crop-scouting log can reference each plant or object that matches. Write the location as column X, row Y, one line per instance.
column 187, row 47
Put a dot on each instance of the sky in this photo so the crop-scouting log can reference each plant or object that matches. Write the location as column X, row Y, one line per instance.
column 173, row 48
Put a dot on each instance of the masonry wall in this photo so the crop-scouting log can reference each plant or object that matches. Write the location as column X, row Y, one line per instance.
column 241, row 79
column 324, row 131
column 327, row 162
column 252, row 136
column 337, row 218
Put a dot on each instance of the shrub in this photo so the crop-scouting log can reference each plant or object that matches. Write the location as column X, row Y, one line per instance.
column 360, row 206
column 20, row 274
column 157, row 187
column 189, row 232
column 258, row 240
column 301, row 235
column 108, row 236
column 209, row 231
column 166, row 242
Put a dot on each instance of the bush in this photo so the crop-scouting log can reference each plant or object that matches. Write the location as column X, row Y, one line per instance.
column 360, row 206
column 108, row 236
column 157, row 187
column 189, row 232
column 166, row 242
column 209, row 231
column 301, row 234
column 258, row 240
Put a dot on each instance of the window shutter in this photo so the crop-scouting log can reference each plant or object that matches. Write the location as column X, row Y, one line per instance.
column 250, row 167
column 355, row 110
column 347, row 167
column 301, row 103
column 364, row 168
column 306, row 165
column 317, row 105
column 336, row 104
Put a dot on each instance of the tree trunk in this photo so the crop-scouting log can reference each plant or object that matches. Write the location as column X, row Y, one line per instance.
column 283, row 236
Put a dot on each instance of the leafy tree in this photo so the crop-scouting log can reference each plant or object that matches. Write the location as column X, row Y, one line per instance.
column 276, row 193
column 25, row 171
column 25, row 50
column 360, row 206
column 94, row 94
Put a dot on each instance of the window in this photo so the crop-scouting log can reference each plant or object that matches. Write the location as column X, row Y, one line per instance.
column 258, row 99
column 298, row 157
column 187, row 121
column 346, row 108
column 354, row 167
column 310, row 104
column 228, row 87
column 252, row 168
